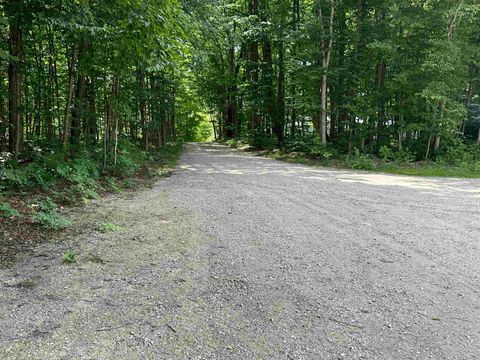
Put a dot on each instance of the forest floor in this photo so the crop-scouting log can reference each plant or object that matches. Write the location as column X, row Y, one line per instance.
column 236, row 256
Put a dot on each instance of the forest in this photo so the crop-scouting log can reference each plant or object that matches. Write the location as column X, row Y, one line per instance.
column 110, row 81
column 394, row 79
column 220, row 179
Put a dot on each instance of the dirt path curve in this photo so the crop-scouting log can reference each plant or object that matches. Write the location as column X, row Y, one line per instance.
column 241, row 257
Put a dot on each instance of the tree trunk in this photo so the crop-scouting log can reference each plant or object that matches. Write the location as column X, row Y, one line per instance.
column 80, row 94
column 232, row 96
column 323, row 112
column 293, row 87
column 267, row 82
column 15, row 136
column 326, row 50
column 143, row 108
column 279, row 117
column 253, row 57
column 3, row 118
column 92, row 127
column 381, row 70
column 115, row 117
column 106, row 121
column 66, row 121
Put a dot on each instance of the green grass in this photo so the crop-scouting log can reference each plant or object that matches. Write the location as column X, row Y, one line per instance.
column 414, row 169
column 433, row 171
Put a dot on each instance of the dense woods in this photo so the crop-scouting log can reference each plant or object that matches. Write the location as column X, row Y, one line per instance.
column 90, row 73
column 389, row 78
column 385, row 77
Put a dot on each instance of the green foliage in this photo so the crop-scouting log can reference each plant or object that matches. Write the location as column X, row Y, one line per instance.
column 319, row 151
column 460, row 155
column 53, row 169
column 47, row 215
column 360, row 161
column 70, row 257
column 128, row 184
column 385, row 153
column 403, row 156
column 7, row 211
column 109, row 227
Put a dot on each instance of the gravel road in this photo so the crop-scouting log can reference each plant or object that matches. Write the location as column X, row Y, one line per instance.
column 241, row 257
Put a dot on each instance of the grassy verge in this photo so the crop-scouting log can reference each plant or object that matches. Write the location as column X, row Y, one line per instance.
column 432, row 170
column 427, row 169
column 35, row 195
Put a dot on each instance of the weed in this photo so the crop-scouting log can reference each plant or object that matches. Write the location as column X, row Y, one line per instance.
column 129, row 184
column 48, row 216
column 70, row 257
column 109, row 227
column 7, row 211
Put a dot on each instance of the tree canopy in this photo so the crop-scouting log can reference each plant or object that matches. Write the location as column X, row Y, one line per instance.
column 381, row 75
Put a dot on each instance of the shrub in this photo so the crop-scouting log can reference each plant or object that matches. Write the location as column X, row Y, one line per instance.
column 361, row 161
column 385, row 153
column 319, row 151
column 7, row 211
column 48, row 216
column 460, row 154
column 404, row 156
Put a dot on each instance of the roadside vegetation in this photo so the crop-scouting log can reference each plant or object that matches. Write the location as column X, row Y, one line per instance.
column 93, row 100
column 461, row 161
column 35, row 195
column 388, row 86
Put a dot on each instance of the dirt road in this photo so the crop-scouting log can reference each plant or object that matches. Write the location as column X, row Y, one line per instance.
column 241, row 257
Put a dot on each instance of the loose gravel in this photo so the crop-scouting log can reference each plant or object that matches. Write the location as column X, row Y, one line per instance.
column 241, row 257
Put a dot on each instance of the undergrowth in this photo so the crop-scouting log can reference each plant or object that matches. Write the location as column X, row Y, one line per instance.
column 32, row 190
column 452, row 160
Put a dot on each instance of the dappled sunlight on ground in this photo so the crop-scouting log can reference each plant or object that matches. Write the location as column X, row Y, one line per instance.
column 389, row 180
column 229, row 162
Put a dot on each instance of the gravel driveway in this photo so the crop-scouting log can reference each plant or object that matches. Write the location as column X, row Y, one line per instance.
column 241, row 257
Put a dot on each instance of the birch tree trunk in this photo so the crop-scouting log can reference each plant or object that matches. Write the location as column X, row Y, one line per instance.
column 326, row 49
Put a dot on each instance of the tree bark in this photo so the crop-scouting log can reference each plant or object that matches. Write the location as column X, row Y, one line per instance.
column 3, row 117
column 279, row 117
column 66, row 121
column 80, row 94
column 293, row 86
column 92, row 127
column 143, row 108
column 253, row 57
column 326, row 50
column 15, row 117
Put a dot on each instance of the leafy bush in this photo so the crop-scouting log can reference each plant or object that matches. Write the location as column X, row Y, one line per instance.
column 7, row 211
column 319, row 151
column 385, row 153
column 299, row 145
column 233, row 143
column 404, row 156
column 130, row 159
column 361, row 161
column 460, row 154
column 48, row 216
